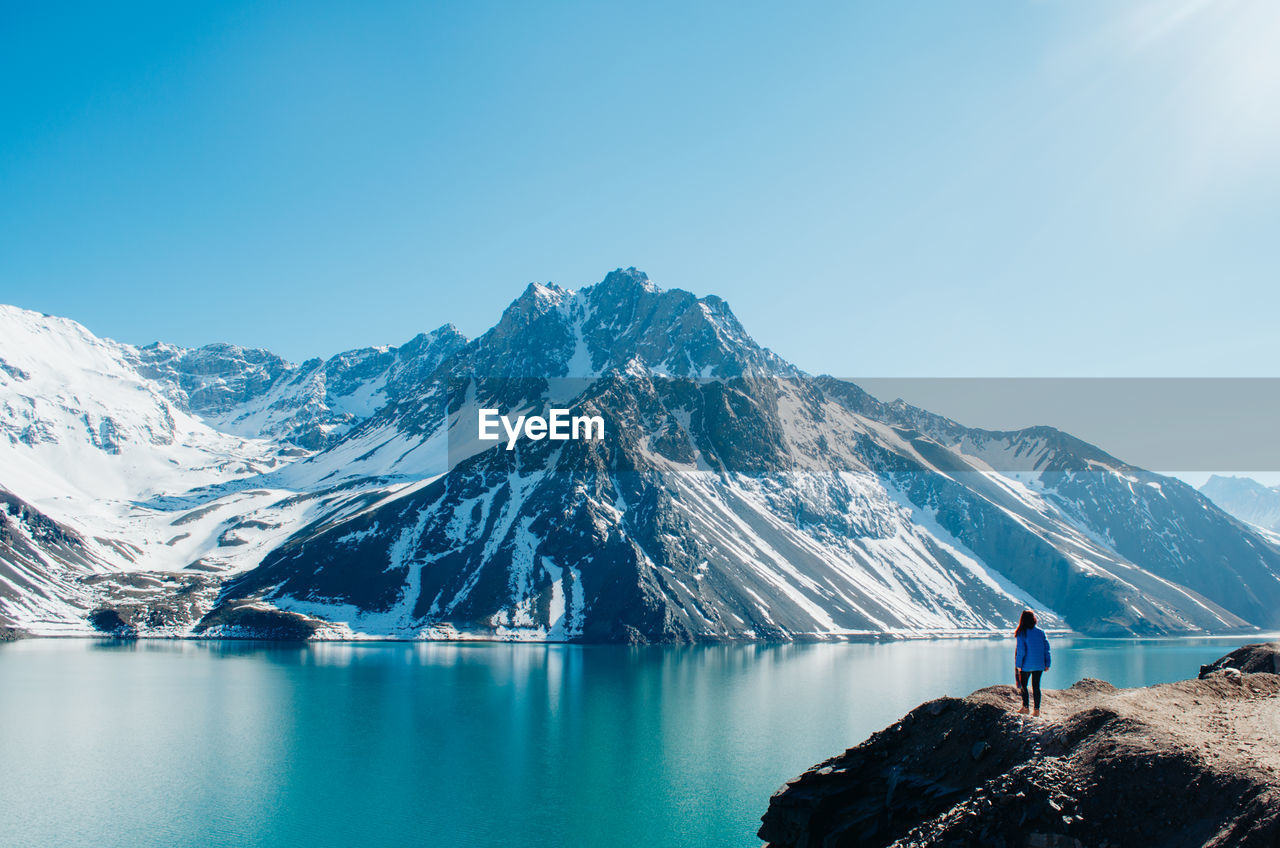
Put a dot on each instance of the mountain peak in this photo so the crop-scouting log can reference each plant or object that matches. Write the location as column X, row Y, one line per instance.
column 628, row 280
column 21, row 326
column 1242, row 483
column 542, row 295
column 535, row 301
column 445, row 333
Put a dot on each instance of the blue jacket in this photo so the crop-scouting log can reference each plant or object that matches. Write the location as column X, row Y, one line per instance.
column 1032, row 650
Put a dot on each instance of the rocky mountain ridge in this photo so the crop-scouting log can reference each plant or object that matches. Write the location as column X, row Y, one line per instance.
column 734, row 497
column 257, row 394
column 1246, row 499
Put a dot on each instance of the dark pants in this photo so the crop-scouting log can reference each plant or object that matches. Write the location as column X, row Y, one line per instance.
column 1034, row 678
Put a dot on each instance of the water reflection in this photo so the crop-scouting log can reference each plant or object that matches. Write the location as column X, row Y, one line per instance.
column 469, row 744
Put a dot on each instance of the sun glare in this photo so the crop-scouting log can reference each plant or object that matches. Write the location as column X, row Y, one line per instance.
column 1227, row 79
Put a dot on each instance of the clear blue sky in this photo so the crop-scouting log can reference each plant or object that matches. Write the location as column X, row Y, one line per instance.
column 1080, row 187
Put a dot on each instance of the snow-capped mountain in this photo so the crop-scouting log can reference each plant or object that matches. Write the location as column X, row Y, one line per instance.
column 1246, row 499
column 732, row 496
column 256, row 394
column 78, row 422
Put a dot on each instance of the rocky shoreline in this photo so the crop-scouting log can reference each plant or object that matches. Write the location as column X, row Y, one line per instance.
column 1191, row 763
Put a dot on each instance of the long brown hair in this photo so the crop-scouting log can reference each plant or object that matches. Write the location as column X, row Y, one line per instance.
column 1025, row 623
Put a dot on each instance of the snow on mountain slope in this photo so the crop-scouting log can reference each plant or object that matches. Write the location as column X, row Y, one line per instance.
column 1172, row 535
column 224, row 491
column 625, row 542
column 757, row 507
column 78, row 423
column 548, row 339
column 43, row 565
column 132, row 482
column 256, row 394
column 550, row 332
column 1246, row 499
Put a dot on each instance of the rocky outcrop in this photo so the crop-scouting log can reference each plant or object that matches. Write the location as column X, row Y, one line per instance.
column 246, row 620
column 133, row 604
column 1251, row 659
column 1193, row 763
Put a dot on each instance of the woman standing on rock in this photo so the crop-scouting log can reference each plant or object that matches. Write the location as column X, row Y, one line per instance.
column 1030, row 658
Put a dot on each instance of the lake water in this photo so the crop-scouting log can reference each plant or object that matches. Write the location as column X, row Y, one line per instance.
column 160, row 743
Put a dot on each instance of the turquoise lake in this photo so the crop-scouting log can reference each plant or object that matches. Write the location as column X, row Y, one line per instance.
column 160, row 743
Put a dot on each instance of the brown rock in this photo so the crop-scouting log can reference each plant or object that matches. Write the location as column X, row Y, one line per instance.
column 1190, row 763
